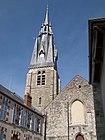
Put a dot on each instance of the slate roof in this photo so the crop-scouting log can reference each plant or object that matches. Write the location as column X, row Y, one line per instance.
column 18, row 99
column 44, row 52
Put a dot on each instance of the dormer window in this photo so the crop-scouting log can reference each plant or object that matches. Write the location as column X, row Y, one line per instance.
column 42, row 52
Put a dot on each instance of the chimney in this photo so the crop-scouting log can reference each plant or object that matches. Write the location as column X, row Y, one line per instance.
column 28, row 99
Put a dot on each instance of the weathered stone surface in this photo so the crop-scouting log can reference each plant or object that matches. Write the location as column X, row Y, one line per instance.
column 46, row 92
column 59, row 115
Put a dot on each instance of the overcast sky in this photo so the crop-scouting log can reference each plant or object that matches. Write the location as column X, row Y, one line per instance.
column 20, row 22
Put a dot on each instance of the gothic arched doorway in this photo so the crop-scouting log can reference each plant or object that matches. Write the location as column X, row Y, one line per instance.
column 79, row 137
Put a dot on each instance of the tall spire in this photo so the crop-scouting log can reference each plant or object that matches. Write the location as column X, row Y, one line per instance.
column 44, row 50
column 46, row 25
column 46, row 20
column 42, row 78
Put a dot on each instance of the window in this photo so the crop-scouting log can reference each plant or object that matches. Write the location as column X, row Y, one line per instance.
column 22, row 118
column 26, row 119
column 16, row 114
column 40, row 100
column 38, row 125
column 41, row 78
column 33, row 121
column 42, row 53
column 77, row 113
column 35, row 124
column 3, row 109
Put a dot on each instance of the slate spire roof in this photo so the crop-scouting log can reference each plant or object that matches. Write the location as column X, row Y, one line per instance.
column 44, row 52
column 46, row 21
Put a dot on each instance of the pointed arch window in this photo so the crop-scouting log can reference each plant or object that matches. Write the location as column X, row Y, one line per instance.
column 77, row 112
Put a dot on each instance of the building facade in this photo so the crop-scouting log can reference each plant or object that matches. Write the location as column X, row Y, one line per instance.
column 97, row 71
column 18, row 120
column 46, row 113
column 43, row 82
column 70, row 113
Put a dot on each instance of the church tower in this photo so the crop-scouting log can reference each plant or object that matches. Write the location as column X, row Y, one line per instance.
column 42, row 82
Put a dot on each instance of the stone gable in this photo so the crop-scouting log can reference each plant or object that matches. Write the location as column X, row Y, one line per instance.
column 59, row 112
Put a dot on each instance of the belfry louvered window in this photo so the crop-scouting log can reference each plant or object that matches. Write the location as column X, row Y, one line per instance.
column 41, row 78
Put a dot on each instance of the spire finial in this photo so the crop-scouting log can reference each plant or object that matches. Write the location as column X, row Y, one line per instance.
column 46, row 21
column 47, row 2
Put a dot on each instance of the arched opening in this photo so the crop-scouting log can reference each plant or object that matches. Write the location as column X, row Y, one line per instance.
column 77, row 113
column 79, row 137
column 39, row 78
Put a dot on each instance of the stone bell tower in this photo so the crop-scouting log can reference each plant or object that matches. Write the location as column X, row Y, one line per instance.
column 42, row 82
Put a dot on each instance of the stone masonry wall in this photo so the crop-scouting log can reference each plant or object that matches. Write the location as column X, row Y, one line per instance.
column 59, row 125
column 46, row 92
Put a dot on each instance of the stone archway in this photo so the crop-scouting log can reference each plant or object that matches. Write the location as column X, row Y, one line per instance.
column 79, row 137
